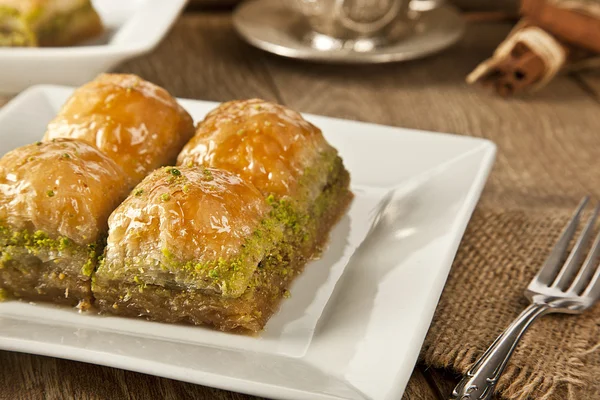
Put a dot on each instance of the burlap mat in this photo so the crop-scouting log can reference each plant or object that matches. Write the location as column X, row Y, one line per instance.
column 558, row 358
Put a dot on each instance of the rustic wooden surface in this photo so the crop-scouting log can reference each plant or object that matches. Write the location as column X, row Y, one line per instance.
column 206, row 60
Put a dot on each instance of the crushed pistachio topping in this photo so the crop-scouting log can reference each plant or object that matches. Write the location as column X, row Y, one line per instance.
column 186, row 188
column 138, row 192
column 167, row 253
column 174, row 171
column 38, row 143
column 66, row 155
column 214, row 274
column 165, row 197
column 50, row 193
column 34, row 242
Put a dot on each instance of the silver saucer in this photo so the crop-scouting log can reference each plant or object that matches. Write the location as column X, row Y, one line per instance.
column 271, row 26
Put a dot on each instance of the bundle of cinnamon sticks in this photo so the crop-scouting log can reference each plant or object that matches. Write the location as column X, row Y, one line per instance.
column 552, row 36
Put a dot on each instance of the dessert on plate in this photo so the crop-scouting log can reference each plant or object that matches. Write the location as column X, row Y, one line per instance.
column 28, row 23
column 56, row 195
column 218, row 239
column 55, row 199
column 136, row 123
column 215, row 239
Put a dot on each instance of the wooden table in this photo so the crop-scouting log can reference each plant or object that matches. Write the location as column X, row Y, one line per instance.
column 206, row 60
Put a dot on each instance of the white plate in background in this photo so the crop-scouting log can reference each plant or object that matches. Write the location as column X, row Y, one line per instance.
column 357, row 318
column 133, row 27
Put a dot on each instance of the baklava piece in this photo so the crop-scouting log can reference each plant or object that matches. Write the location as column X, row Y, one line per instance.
column 189, row 245
column 287, row 159
column 136, row 123
column 26, row 23
column 197, row 244
column 55, row 199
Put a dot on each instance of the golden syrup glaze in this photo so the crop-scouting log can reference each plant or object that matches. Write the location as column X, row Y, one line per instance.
column 178, row 223
column 266, row 144
column 62, row 187
column 136, row 123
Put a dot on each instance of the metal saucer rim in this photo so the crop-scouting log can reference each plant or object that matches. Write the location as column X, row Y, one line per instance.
column 306, row 53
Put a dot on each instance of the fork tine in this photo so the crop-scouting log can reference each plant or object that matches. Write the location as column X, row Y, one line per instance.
column 588, row 268
column 593, row 289
column 573, row 263
column 548, row 271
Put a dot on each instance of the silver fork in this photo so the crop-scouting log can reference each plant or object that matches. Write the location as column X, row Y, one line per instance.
column 570, row 287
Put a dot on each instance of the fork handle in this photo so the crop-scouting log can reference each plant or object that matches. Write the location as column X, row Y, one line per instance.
column 480, row 381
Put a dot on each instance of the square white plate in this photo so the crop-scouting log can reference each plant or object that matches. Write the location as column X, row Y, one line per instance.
column 356, row 319
column 133, row 27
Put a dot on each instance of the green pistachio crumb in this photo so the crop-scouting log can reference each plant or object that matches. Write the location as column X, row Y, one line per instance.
column 241, row 131
column 165, row 197
column 88, row 267
column 66, row 155
column 137, row 280
column 38, row 143
column 63, row 243
column 167, row 253
column 138, row 192
column 190, row 163
column 174, row 171
column 287, row 294
column 186, row 188
column 50, row 193
column 208, row 174
column 213, row 274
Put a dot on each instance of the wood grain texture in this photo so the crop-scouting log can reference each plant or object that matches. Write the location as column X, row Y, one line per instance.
column 591, row 80
column 203, row 58
column 28, row 377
